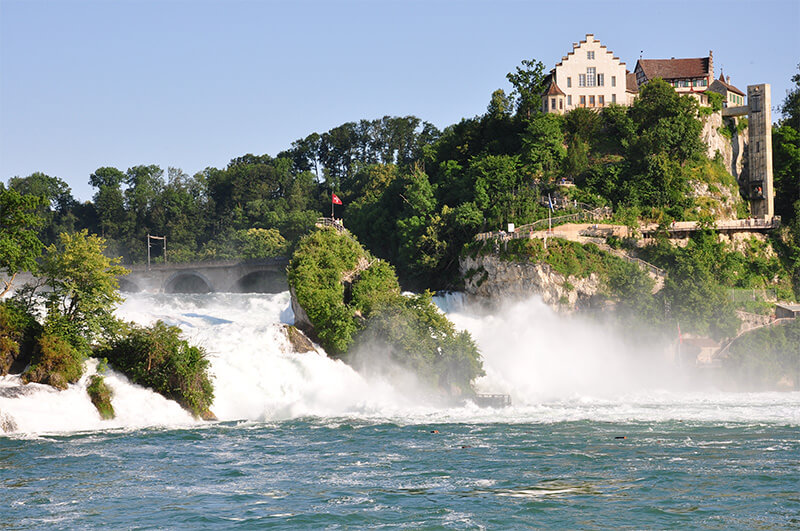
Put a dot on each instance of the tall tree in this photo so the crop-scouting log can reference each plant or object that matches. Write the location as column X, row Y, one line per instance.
column 83, row 287
column 528, row 83
column 19, row 244
column 109, row 201
column 786, row 154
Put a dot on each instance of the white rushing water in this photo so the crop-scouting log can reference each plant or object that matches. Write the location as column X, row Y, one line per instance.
column 555, row 369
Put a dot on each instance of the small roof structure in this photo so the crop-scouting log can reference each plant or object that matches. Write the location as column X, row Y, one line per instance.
column 788, row 309
column 728, row 86
column 553, row 90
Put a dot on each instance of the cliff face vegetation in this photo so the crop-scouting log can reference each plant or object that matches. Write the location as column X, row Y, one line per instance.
column 354, row 307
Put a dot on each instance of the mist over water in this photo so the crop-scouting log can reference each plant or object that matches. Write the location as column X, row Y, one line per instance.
column 556, row 368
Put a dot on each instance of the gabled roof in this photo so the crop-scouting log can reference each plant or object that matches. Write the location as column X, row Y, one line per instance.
column 576, row 45
column 553, row 90
column 630, row 82
column 675, row 68
column 728, row 86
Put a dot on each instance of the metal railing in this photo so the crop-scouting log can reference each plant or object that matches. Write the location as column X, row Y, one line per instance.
column 331, row 222
column 741, row 295
column 524, row 231
column 731, row 224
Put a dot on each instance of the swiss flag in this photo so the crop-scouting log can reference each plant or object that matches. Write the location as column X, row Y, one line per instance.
column 335, row 199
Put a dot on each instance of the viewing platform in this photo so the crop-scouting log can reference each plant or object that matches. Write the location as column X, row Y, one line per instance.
column 492, row 400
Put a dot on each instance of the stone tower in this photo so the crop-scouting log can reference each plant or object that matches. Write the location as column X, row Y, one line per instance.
column 762, row 200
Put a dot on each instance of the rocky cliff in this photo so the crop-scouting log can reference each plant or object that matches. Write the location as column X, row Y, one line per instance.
column 731, row 149
column 494, row 279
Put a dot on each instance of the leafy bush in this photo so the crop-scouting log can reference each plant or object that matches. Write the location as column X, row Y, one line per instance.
column 413, row 333
column 55, row 362
column 157, row 357
column 353, row 300
column 18, row 332
column 101, row 394
column 316, row 276
column 260, row 243
column 714, row 101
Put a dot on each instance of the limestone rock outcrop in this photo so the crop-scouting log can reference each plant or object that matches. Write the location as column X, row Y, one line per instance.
column 731, row 149
column 492, row 279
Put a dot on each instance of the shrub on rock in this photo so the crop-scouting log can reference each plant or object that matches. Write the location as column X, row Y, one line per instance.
column 101, row 394
column 18, row 332
column 157, row 357
column 55, row 362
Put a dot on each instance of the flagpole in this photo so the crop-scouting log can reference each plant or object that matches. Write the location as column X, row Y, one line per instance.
column 332, row 205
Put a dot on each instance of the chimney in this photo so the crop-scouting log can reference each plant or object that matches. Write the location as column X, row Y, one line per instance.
column 728, row 80
column 710, row 65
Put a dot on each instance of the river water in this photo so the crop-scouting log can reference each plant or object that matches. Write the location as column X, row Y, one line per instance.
column 600, row 434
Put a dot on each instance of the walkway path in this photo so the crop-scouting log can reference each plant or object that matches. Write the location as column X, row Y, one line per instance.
column 597, row 233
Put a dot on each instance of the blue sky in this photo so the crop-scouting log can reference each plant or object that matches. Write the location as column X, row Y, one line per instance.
column 192, row 84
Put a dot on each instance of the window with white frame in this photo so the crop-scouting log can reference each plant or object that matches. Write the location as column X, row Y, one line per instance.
column 591, row 77
column 590, row 55
column 600, row 80
column 581, row 80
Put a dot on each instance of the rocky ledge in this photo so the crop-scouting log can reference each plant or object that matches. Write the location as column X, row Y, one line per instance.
column 493, row 279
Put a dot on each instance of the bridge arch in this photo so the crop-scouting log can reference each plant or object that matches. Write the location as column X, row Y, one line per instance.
column 128, row 286
column 187, row 282
column 262, row 281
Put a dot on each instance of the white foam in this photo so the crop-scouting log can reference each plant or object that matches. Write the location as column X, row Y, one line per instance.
column 555, row 368
column 43, row 409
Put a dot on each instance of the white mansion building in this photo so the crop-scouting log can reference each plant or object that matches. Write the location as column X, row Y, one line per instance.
column 591, row 76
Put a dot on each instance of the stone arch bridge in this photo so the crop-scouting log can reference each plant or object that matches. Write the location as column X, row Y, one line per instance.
column 266, row 275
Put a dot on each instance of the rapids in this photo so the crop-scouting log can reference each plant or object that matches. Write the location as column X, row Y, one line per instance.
column 555, row 368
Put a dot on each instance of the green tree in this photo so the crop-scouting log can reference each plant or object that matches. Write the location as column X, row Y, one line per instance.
column 543, row 145
column 786, row 154
column 528, row 83
column 57, row 206
column 109, row 201
column 260, row 243
column 666, row 123
column 19, row 243
column 83, row 288
column 791, row 105
column 500, row 105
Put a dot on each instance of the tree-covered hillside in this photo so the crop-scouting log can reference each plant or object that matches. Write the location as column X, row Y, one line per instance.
column 415, row 195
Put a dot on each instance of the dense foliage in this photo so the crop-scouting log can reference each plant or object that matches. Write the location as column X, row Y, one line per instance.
column 55, row 362
column 415, row 196
column 18, row 332
column 358, row 313
column 83, row 288
column 78, row 303
column 19, row 245
column 157, row 357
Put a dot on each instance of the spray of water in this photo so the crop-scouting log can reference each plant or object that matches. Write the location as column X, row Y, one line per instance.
column 555, row 368
column 536, row 355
